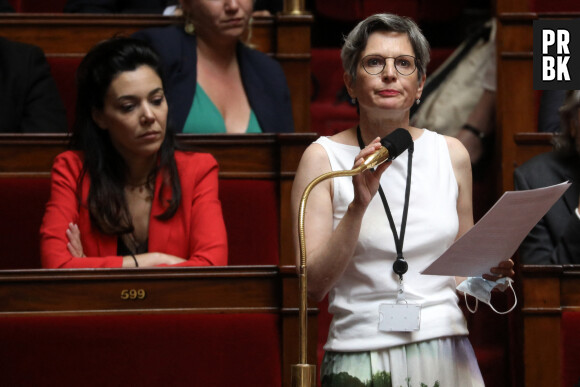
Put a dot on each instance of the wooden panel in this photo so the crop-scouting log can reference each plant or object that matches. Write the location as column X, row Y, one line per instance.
column 546, row 292
column 198, row 290
column 59, row 33
column 516, row 35
column 541, row 292
column 73, row 33
column 516, row 112
column 293, row 52
column 512, row 5
column 570, row 289
column 240, row 156
column 529, row 145
column 542, row 361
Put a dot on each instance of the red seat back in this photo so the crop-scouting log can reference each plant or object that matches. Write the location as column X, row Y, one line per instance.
column 22, row 202
column 570, row 345
column 63, row 70
column 250, row 210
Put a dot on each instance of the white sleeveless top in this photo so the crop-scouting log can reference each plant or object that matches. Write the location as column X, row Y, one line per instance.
column 369, row 280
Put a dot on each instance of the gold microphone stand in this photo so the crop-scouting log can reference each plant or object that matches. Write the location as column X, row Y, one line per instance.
column 294, row 7
column 304, row 374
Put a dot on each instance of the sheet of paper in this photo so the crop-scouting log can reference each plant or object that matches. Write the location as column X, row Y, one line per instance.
column 498, row 233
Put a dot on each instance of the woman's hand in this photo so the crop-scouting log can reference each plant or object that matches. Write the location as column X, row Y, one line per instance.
column 366, row 184
column 152, row 259
column 503, row 269
column 74, row 245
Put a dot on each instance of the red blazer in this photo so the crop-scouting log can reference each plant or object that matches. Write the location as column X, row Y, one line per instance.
column 196, row 232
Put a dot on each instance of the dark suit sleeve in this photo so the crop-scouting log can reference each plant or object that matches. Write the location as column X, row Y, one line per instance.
column 43, row 107
column 541, row 246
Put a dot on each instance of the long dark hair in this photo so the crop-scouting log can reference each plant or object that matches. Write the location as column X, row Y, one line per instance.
column 104, row 165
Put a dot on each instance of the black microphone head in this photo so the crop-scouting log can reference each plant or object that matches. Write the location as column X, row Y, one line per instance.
column 397, row 142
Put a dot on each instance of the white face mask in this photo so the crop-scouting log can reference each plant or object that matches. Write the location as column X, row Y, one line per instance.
column 480, row 288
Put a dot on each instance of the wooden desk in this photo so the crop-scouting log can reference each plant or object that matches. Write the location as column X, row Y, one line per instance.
column 262, row 289
column 284, row 37
column 528, row 145
column 546, row 292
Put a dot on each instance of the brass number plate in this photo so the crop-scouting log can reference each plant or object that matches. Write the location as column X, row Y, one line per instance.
column 133, row 294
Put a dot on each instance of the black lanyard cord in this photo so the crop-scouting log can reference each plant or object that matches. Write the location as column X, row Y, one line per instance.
column 400, row 266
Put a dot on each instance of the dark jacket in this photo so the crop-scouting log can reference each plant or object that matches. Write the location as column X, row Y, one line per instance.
column 29, row 98
column 263, row 79
column 556, row 238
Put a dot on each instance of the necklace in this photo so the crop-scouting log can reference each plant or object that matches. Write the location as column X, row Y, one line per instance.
column 138, row 187
column 145, row 189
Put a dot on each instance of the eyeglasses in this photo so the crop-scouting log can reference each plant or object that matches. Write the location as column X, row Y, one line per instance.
column 375, row 64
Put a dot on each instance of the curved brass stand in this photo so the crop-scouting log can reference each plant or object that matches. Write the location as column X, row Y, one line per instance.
column 294, row 7
column 304, row 374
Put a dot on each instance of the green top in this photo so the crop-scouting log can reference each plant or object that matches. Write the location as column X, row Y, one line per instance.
column 204, row 117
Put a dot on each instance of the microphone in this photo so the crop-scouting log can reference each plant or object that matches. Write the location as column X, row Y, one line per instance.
column 393, row 145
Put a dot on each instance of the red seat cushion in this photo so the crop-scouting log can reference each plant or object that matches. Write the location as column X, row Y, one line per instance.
column 141, row 350
column 250, row 210
column 570, row 345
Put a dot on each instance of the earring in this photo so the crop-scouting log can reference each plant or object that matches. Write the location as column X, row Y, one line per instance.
column 189, row 27
column 249, row 31
column 418, row 101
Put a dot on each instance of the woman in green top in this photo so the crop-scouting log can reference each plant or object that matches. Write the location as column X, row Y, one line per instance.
column 215, row 83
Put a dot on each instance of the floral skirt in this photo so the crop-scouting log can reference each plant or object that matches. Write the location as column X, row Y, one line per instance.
column 445, row 362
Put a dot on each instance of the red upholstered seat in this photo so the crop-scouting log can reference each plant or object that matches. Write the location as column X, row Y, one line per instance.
column 570, row 348
column 250, row 213
column 141, row 350
column 22, row 202
column 63, row 70
column 251, row 216
column 328, row 114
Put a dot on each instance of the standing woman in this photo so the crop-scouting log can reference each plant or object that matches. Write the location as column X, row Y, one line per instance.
column 124, row 197
column 215, row 83
column 350, row 239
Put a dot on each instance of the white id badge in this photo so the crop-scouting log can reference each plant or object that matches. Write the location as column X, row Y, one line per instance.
column 401, row 317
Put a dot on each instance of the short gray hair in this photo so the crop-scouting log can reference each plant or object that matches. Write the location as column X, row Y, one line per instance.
column 357, row 39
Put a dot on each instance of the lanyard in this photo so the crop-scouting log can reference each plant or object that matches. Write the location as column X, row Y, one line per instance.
column 400, row 266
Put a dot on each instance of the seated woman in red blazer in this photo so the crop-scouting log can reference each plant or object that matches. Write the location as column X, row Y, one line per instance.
column 124, row 196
